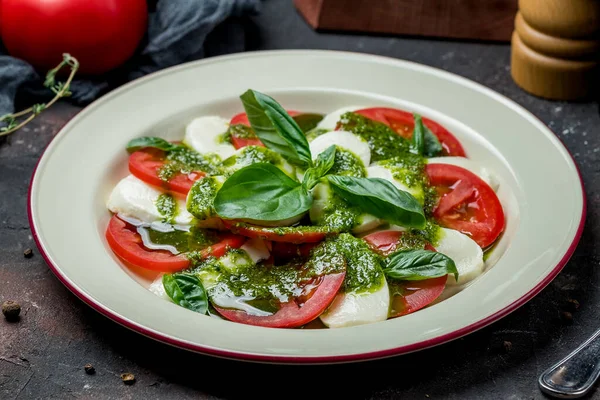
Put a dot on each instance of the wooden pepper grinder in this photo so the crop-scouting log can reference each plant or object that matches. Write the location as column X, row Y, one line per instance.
column 556, row 48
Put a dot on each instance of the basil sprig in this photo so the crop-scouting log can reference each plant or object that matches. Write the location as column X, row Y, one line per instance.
column 150, row 141
column 424, row 142
column 413, row 265
column 275, row 128
column 261, row 192
column 323, row 164
column 187, row 291
column 380, row 198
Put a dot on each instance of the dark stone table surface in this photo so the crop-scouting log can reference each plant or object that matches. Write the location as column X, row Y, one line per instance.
column 42, row 355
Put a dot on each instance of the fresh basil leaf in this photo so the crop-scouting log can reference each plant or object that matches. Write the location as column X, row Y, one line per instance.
column 261, row 192
column 418, row 139
column 149, row 141
column 380, row 198
column 275, row 128
column 414, row 265
column 323, row 164
column 187, row 291
column 431, row 144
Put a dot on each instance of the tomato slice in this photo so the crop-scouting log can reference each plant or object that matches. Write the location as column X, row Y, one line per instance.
column 284, row 251
column 290, row 234
column 467, row 204
column 403, row 123
column 145, row 164
column 407, row 296
column 242, row 119
column 293, row 313
column 127, row 244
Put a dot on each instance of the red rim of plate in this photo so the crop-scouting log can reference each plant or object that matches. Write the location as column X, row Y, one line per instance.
column 316, row 359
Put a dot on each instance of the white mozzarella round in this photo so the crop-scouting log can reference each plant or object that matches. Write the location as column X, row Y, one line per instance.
column 367, row 222
column 330, row 120
column 464, row 251
column 345, row 140
column 133, row 198
column 351, row 309
column 484, row 173
column 256, row 249
column 377, row 171
column 203, row 135
column 158, row 288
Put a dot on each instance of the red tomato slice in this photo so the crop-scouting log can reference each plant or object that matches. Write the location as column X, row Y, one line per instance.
column 283, row 251
column 293, row 313
column 288, row 234
column 403, row 123
column 242, row 118
column 467, row 203
column 127, row 244
column 407, row 296
column 146, row 163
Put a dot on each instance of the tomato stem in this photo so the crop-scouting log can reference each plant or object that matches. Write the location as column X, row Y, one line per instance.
column 60, row 90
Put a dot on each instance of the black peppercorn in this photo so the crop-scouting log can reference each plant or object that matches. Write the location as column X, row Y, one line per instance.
column 11, row 310
column 89, row 369
column 28, row 253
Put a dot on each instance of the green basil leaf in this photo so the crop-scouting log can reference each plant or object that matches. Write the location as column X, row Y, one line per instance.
column 414, row 265
column 323, row 164
column 149, row 141
column 380, row 198
column 418, row 139
column 261, row 192
column 187, row 291
column 431, row 144
column 275, row 128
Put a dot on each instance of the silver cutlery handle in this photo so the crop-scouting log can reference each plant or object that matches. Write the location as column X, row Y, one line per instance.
column 574, row 375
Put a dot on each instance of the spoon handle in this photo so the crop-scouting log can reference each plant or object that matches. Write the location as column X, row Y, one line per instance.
column 574, row 375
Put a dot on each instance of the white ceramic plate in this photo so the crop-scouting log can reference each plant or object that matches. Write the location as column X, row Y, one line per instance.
column 541, row 192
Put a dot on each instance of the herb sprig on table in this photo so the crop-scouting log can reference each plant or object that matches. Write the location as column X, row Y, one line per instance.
column 16, row 121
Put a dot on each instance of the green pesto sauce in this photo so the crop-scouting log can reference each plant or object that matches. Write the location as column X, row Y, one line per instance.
column 363, row 266
column 314, row 133
column 185, row 160
column 383, row 142
column 331, row 211
column 347, row 163
column 250, row 155
column 265, row 286
column 240, row 131
column 167, row 207
column 417, row 238
column 308, row 121
column 194, row 240
column 201, row 197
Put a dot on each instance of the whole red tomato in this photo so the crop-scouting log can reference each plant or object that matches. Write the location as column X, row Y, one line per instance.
column 101, row 34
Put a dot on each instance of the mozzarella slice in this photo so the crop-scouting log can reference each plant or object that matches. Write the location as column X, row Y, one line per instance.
column 345, row 140
column 256, row 249
column 367, row 222
column 330, row 120
column 134, row 198
column 377, row 171
column 351, row 309
column 158, row 288
column 203, row 134
column 464, row 251
column 484, row 173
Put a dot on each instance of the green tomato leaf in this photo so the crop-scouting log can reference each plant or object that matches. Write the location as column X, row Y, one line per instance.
column 187, row 291
column 380, row 198
column 323, row 164
column 261, row 192
column 414, row 265
column 148, row 141
column 431, row 144
column 275, row 128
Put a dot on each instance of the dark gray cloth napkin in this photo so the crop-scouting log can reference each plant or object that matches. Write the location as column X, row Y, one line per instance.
column 177, row 30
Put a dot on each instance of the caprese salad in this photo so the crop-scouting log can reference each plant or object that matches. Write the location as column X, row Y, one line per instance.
column 285, row 219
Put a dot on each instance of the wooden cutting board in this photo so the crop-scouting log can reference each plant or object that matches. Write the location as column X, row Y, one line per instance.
column 491, row 20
